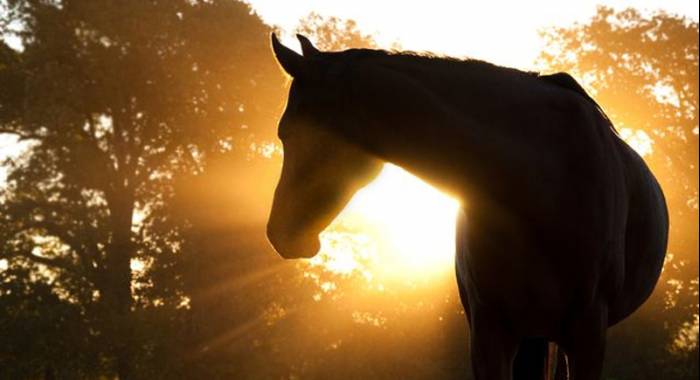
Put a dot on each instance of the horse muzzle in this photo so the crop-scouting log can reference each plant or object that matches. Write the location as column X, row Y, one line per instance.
column 293, row 247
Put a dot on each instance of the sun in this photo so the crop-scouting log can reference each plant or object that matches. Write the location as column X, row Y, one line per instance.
column 395, row 227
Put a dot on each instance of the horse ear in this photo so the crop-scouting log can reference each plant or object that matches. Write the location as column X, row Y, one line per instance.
column 290, row 61
column 307, row 48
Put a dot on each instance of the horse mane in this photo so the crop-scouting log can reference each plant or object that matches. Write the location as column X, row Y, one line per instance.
column 425, row 57
column 562, row 80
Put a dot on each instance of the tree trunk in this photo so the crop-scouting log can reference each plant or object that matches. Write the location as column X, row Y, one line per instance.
column 116, row 295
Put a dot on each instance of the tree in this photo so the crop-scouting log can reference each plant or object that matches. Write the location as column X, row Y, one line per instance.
column 119, row 99
column 333, row 33
column 41, row 333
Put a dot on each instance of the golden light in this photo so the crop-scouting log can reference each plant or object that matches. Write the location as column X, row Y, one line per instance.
column 397, row 227
column 638, row 140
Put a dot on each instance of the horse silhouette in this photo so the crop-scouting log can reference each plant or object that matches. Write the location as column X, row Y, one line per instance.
column 563, row 228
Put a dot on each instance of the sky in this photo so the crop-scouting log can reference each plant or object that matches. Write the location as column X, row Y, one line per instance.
column 9, row 147
column 503, row 32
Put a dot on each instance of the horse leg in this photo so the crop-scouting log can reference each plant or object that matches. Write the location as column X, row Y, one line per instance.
column 492, row 348
column 461, row 251
column 531, row 359
column 585, row 345
column 562, row 365
column 463, row 296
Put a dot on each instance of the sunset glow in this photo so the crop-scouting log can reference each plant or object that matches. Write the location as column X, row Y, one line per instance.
column 503, row 32
column 398, row 226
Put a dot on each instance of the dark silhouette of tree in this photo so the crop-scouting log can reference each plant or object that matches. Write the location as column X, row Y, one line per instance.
column 644, row 72
column 119, row 99
column 41, row 333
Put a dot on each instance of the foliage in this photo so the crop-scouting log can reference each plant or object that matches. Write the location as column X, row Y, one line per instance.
column 41, row 333
column 333, row 33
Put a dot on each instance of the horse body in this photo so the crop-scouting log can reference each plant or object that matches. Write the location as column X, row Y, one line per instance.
column 566, row 227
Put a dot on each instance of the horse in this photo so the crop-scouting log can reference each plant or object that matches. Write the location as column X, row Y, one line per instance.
column 563, row 228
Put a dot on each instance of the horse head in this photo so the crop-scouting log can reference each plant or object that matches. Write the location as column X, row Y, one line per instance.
column 321, row 170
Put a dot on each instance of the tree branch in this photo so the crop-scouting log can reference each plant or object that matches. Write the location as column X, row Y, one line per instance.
column 55, row 262
column 85, row 251
column 22, row 135
column 154, row 162
column 55, row 230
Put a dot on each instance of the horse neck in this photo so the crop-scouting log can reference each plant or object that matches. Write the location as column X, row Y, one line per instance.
column 405, row 122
